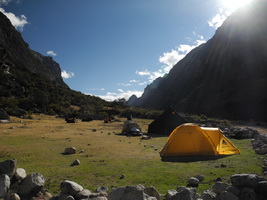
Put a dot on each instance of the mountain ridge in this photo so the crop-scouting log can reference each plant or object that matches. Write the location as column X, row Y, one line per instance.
column 225, row 77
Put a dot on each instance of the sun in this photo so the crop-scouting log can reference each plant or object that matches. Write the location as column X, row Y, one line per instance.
column 232, row 5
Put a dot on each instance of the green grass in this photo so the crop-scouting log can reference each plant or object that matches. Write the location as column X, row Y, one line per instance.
column 38, row 145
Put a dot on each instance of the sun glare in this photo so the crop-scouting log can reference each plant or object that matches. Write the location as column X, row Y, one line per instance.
column 232, row 5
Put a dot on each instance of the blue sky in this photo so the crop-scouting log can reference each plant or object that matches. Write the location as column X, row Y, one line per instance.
column 115, row 48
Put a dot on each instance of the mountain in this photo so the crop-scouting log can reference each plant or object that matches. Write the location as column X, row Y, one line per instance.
column 226, row 77
column 31, row 82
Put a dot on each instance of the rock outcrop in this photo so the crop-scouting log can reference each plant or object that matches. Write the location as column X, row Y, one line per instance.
column 225, row 77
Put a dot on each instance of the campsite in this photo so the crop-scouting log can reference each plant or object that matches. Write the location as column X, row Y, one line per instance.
column 108, row 158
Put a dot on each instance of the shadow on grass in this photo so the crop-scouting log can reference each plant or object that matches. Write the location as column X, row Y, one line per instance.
column 191, row 158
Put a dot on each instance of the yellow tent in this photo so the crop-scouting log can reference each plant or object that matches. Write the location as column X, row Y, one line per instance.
column 192, row 140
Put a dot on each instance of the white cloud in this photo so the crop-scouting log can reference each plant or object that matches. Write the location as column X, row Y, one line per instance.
column 5, row 2
column 111, row 96
column 219, row 18
column 51, row 53
column 66, row 74
column 97, row 89
column 17, row 21
column 134, row 81
column 124, row 84
column 169, row 59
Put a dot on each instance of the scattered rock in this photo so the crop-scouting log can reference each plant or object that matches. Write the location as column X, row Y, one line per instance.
column 20, row 174
column 151, row 191
column 32, row 183
column 70, row 150
column 193, row 182
column 219, row 187
column 246, row 180
column 84, row 194
column 102, row 189
column 199, row 177
column 4, row 185
column 127, row 192
column 70, row 187
column 8, row 167
column 76, row 162
column 122, row 176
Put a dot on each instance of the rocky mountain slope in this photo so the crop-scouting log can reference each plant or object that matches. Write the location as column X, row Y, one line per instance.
column 225, row 77
column 31, row 82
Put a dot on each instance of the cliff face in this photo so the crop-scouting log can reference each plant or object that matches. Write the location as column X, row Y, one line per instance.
column 15, row 51
column 225, row 77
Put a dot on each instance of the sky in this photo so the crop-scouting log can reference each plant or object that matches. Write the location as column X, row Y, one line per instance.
column 115, row 48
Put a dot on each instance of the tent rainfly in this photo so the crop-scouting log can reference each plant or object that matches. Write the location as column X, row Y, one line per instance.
column 192, row 140
column 166, row 122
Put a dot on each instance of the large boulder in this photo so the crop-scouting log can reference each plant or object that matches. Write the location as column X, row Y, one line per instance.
column 152, row 191
column 219, row 187
column 70, row 187
column 4, row 185
column 127, row 193
column 246, row 180
column 184, row 193
column 32, row 183
column 8, row 167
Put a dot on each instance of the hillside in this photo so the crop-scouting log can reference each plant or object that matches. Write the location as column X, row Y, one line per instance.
column 32, row 83
column 225, row 77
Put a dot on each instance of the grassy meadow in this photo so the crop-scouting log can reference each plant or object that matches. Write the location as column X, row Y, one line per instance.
column 38, row 144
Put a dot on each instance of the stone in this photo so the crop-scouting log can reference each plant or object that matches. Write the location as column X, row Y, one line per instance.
column 225, row 195
column 246, row 180
column 20, row 174
column 8, row 167
column 70, row 150
column 126, row 192
column 219, row 187
column 170, row 193
column 247, row 194
column 102, row 189
column 70, row 187
column 208, row 195
column 233, row 190
column 4, row 185
column 33, row 182
column 76, row 162
column 98, row 198
column 65, row 197
column 185, row 194
column 13, row 196
column 192, row 181
column 262, row 188
column 199, row 177
column 84, row 194
column 152, row 192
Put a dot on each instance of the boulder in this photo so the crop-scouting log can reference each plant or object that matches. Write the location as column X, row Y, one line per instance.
column 193, row 182
column 76, row 162
column 199, row 177
column 4, row 185
column 219, row 187
column 262, row 188
column 8, row 167
column 70, row 150
column 70, row 187
column 127, row 192
column 84, row 194
column 13, row 196
column 185, row 194
column 208, row 195
column 65, row 197
column 152, row 191
column 170, row 193
column 246, row 180
column 261, row 150
column 247, row 194
column 225, row 195
column 233, row 190
column 102, row 189
column 20, row 174
column 32, row 183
